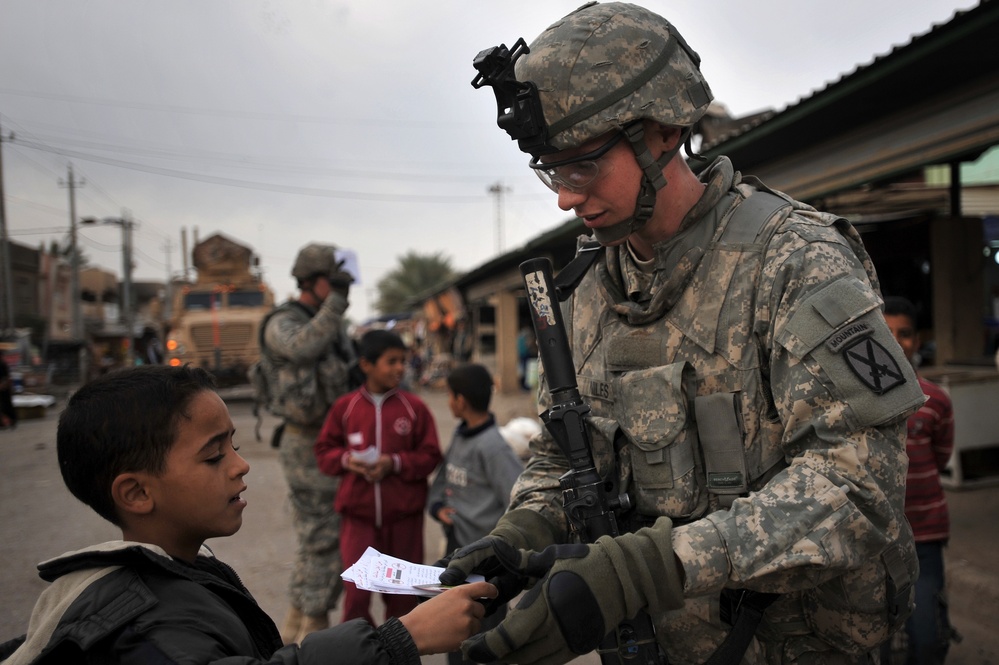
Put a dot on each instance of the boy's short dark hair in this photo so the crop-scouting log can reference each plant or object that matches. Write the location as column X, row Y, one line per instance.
column 474, row 383
column 376, row 342
column 899, row 306
column 125, row 420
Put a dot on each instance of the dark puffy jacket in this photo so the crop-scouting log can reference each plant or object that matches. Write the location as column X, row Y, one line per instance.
column 131, row 603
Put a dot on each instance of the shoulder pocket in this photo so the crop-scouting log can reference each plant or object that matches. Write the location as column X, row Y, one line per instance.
column 841, row 329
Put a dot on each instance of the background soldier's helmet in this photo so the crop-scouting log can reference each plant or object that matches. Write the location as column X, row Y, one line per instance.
column 606, row 65
column 315, row 259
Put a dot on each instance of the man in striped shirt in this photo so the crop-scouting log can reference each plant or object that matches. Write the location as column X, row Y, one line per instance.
column 929, row 443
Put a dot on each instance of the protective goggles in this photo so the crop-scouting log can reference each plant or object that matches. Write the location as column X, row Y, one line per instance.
column 575, row 173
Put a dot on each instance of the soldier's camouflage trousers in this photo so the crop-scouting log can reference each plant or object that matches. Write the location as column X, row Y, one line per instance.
column 315, row 578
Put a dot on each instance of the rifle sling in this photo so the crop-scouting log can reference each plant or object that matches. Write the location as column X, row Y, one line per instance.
column 572, row 274
column 748, row 607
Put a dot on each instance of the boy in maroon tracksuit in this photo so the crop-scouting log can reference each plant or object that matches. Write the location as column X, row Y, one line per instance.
column 383, row 441
column 929, row 443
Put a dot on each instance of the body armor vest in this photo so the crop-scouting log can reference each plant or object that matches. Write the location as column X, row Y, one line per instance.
column 664, row 417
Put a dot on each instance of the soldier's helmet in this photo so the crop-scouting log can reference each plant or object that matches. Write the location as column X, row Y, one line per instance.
column 606, row 65
column 314, row 259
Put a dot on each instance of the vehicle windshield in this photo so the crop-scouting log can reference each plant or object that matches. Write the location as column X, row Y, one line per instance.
column 246, row 299
column 196, row 301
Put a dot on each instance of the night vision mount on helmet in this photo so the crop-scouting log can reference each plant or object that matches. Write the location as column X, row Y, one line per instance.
column 518, row 104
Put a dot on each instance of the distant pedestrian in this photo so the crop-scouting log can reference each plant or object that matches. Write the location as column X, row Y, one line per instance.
column 8, row 414
column 928, row 444
column 381, row 441
column 472, row 488
column 527, row 349
column 463, row 342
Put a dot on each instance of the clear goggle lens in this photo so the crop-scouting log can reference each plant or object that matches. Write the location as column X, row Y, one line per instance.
column 574, row 173
column 573, row 176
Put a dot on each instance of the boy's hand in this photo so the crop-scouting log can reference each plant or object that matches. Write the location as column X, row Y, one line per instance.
column 446, row 515
column 383, row 467
column 355, row 465
column 373, row 472
column 442, row 623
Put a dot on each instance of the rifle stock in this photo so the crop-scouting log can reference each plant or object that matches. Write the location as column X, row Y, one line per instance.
column 591, row 505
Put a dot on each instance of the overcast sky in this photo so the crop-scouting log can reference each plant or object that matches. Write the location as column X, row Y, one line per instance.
column 283, row 122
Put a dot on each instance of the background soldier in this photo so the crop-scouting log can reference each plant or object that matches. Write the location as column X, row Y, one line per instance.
column 306, row 358
column 745, row 390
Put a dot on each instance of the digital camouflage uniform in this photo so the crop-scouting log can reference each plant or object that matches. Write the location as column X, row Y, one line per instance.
column 310, row 358
column 742, row 382
column 765, row 324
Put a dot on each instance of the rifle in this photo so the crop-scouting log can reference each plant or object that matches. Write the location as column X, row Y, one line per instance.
column 590, row 504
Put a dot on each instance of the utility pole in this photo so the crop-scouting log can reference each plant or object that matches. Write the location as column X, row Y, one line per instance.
column 126, row 250
column 7, row 320
column 168, row 304
column 127, row 309
column 76, row 330
column 498, row 190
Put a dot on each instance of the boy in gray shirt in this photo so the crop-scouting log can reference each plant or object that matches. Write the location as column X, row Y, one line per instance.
column 472, row 487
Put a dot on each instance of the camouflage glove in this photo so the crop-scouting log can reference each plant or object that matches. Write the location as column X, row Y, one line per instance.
column 585, row 592
column 340, row 280
column 518, row 529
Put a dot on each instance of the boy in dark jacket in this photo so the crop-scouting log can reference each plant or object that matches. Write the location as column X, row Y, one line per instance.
column 383, row 441
column 151, row 450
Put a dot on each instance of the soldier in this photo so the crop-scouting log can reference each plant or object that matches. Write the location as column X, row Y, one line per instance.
column 307, row 355
column 744, row 388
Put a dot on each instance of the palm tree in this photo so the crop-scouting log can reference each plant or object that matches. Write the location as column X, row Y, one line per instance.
column 416, row 274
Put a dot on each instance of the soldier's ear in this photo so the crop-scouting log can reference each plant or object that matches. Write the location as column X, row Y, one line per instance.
column 658, row 135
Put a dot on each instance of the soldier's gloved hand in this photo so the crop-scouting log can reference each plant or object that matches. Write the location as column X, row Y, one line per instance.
column 518, row 529
column 340, row 280
column 584, row 593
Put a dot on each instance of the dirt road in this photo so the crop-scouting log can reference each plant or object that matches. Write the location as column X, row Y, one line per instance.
column 40, row 519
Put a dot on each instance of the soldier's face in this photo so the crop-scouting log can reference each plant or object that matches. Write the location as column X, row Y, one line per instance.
column 610, row 197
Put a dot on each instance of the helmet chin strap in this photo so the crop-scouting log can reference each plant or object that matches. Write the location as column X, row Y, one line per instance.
column 652, row 181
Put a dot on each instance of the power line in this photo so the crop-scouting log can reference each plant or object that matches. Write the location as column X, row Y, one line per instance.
column 250, row 115
column 240, row 161
column 260, row 186
column 51, row 210
column 43, row 168
column 39, row 232
column 271, row 164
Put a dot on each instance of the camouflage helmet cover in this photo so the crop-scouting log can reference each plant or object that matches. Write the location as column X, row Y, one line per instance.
column 606, row 65
column 315, row 259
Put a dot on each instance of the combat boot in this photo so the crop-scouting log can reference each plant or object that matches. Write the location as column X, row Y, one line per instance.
column 291, row 625
column 310, row 624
